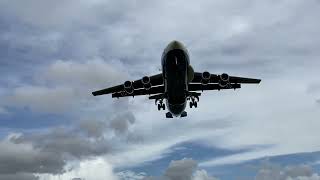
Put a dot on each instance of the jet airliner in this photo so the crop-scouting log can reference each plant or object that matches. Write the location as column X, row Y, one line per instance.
column 177, row 84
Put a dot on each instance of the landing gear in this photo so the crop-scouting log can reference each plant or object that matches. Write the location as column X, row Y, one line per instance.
column 194, row 102
column 169, row 115
column 161, row 105
column 184, row 114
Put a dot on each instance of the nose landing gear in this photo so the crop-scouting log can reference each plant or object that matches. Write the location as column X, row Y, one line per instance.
column 161, row 105
column 193, row 101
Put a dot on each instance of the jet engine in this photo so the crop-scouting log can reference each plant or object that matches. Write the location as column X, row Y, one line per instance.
column 128, row 87
column 224, row 80
column 146, row 82
column 205, row 78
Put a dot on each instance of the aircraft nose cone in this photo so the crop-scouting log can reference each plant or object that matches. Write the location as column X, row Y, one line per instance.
column 175, row 45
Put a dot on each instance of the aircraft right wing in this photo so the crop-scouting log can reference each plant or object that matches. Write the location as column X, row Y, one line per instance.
column 139, row 92
column 145, row 86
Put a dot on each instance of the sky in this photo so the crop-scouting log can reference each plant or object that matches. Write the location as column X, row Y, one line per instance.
column 53, row 54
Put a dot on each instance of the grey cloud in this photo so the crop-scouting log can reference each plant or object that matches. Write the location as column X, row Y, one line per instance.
column 64, row 86
column 124, row 175
column 203, row 175
column 90, row 74
column 184, row 169
column 89, row 138
column 67, row 142
column 313, row 88
column 42, row 99
column 276, row 172
column 121, row 123
column 242, row 36
column 258, row 40
column 62, row 14
column 187, row 169
column 93, row 129
column 18, row 176
column 50, row 151
column 21, row 158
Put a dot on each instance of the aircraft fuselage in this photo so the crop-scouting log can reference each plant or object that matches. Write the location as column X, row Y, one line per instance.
column 175, row 63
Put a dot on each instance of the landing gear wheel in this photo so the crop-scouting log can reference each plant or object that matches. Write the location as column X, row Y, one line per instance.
column 195, row 104
column 159, row 107
column 191, row 104
column 163, row 107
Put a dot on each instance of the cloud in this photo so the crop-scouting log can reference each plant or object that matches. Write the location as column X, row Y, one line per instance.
column 42, row 99
column 300, row 172
column 64, row 85
column 90, row 74
column 93, row 169
column 203, row 175
column 19, row 176
column 54, row 53
column 126, row 175
column 121, row 123
column 30, row 159
column 184, row 169
column 53, row 151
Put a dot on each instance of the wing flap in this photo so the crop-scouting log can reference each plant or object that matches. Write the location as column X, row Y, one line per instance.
column 139, row 92
column 200, row 87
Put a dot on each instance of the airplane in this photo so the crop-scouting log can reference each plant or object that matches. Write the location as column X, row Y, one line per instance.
column 177, row 84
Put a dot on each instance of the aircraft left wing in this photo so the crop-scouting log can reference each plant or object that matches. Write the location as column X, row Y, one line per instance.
column 200, row 87
column 143, row 86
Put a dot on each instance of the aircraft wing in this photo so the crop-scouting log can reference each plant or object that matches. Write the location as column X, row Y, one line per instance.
column 139, row 92
column 143, row 86
column 214, row 78
column 200, row 87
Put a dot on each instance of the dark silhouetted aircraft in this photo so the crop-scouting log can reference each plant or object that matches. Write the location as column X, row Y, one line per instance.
column 177, row 84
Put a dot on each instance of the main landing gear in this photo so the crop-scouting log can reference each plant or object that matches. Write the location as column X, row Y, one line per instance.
column 193, row 101
column 161, row 105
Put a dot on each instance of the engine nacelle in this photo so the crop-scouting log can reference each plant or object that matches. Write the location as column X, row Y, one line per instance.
column 223, row 83
column 128, row 87
column 123, row 93
column 224, row 80
column 205, row 78
column 224, row 77
column 146, row 82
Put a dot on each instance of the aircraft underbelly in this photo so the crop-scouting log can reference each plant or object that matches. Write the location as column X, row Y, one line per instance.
column 176, row 82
